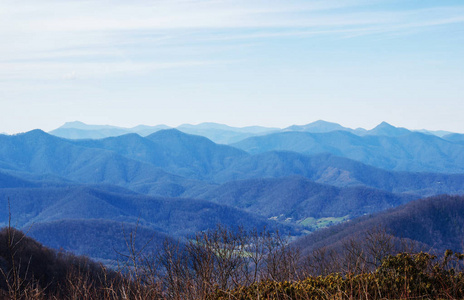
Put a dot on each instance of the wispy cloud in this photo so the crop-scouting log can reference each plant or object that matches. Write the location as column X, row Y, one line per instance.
column 93, row 36
column 92, row 16
column 87, row 70
column 69, row 16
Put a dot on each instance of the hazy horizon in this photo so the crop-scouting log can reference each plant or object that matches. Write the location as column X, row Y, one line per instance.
column 200, row 123
column 240, row 63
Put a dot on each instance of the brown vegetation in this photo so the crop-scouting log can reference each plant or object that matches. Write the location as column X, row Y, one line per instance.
column 225, row 264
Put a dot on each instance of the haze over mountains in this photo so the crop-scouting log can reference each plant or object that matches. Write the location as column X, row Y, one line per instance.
column 391, row 150
column 218, row 133
column 224, row 134
column 174, row 183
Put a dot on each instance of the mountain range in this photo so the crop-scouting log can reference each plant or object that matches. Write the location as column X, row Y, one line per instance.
column 412, row 152
column 171, row 183
column 224, row 134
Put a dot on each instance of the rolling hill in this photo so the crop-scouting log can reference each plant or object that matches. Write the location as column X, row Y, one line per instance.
column 174, row 151
column 41, row 154
column 299, row 200
column 174, row 216
column 434, row 222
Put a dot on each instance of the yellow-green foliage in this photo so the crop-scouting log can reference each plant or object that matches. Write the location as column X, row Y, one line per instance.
column 310, row 288
column 403, row 276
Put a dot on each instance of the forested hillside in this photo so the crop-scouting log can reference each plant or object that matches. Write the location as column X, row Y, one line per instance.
column 433, row 224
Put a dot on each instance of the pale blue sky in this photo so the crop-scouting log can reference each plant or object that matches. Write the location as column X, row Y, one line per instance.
column 271, row 63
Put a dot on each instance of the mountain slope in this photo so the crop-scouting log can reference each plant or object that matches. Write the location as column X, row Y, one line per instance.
column 455, row 138
column 198, row 154
column 341, row 172
column 413, row 152
column 8, row 180
column 319, row 126
column 143, row 164
column 174, row 216
column 39, row 153
column 79, row 130
column 387, row 130
column 218, row 133
column 97, row 239
column 223, row 134
column 296, row 199
column 176, row 152
column 435, row 221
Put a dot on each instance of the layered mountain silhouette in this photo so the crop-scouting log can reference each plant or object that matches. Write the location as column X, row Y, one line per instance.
column 169, row 163
column 321, row 126
column 176, row 152
column 39, row 153
column 341, row 172
column 412, row 152
column 224, row 134
column 79, row 130
column 218, row 133
column 172, row 183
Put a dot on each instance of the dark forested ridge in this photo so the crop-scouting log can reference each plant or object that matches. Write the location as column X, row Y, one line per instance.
column 298, row 198
column 434, row 223
column 101, row 239
column 32, row 271
column 174, row 216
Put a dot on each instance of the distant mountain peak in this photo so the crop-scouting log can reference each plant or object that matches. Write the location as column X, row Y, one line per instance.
column 387, row 129
column 384, row 125
column 170, row 131
column 77, row 122
column 322, row 122
column 36, row 132
column 319, row 126
column 74, row 124
column 176, row 134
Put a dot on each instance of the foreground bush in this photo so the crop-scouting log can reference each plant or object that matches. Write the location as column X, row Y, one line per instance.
column 403, row 276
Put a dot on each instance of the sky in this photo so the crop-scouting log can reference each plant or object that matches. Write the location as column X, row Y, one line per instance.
column 236, row 62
